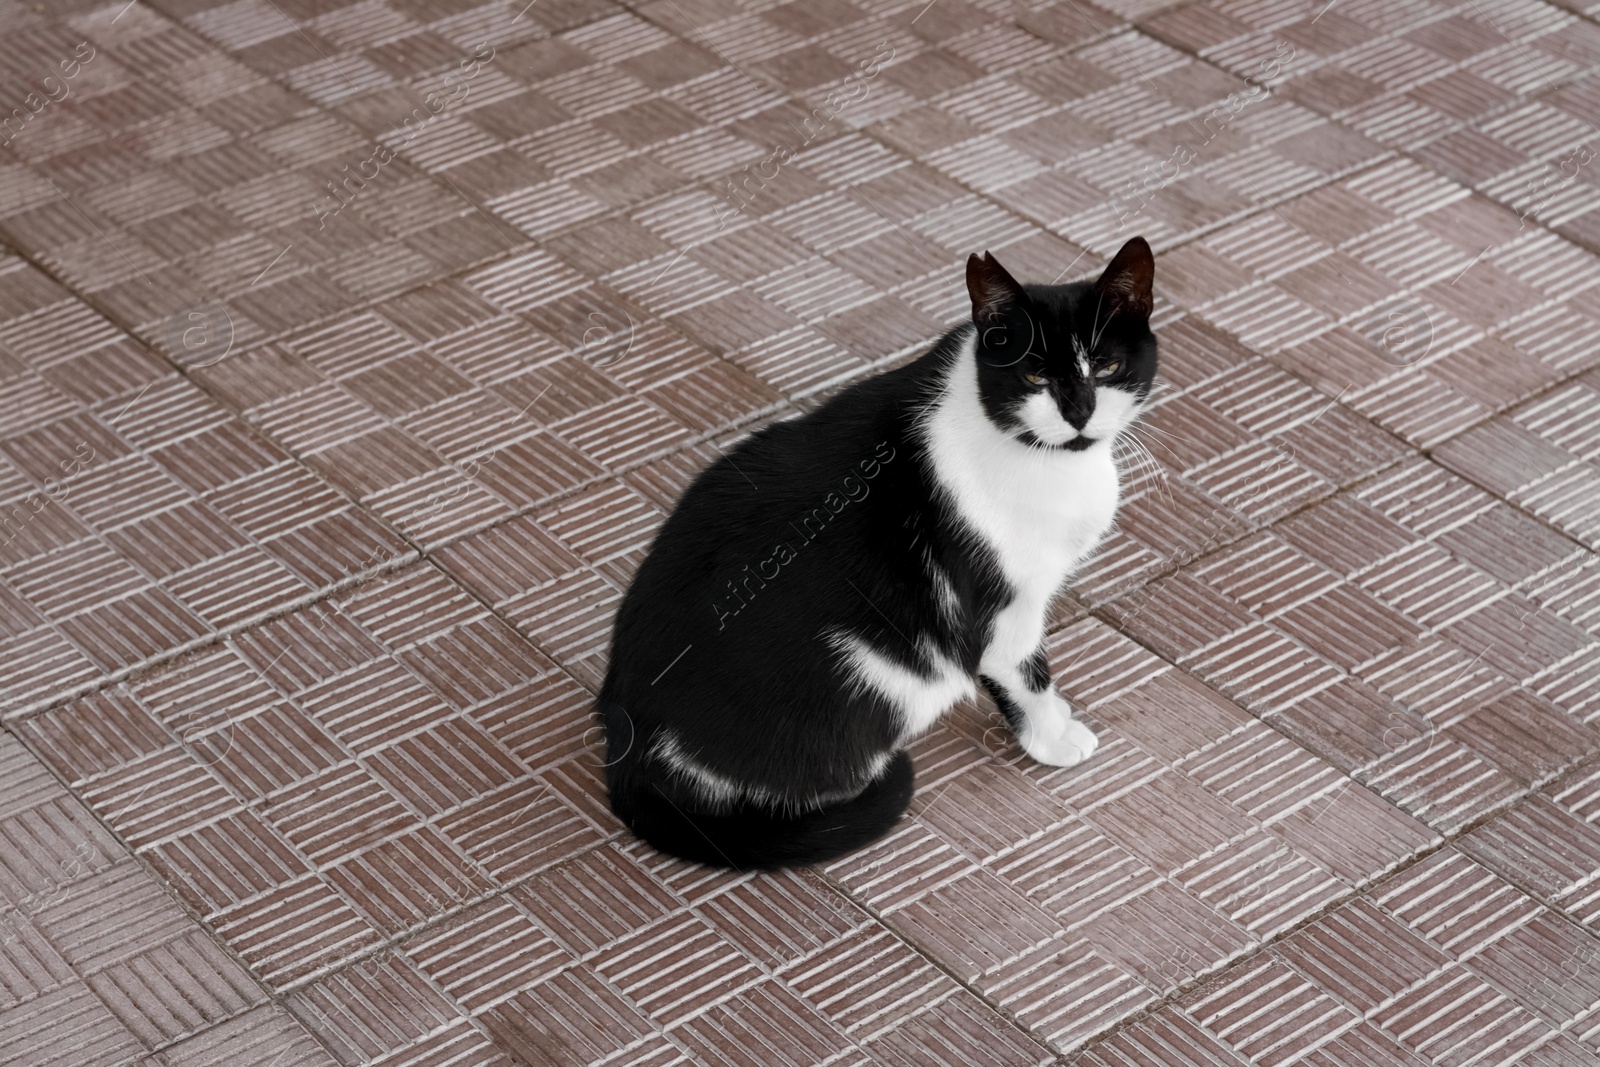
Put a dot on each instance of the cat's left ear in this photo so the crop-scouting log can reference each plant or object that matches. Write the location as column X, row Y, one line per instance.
column 992, row 289
column 1128, row 280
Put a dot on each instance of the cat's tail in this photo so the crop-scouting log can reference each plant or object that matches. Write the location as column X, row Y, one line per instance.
column 757, row 838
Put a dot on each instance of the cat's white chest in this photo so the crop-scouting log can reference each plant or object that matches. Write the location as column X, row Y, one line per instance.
column 1041, row 511
column 1041, row 519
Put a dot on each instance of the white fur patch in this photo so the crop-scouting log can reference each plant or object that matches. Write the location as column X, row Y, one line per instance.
column 717, row 790
column 943, row 591
column 1041, row 416
column 1114, row 411
column 1043, row 511
column 918, row 699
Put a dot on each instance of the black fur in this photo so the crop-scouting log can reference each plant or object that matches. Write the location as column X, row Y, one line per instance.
column 1038, row 671
column 1029, row 329
column 1002, row 701
column 810, row 524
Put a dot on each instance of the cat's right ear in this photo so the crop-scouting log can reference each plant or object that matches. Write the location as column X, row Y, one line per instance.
column 992, row 289
column 1128, row 278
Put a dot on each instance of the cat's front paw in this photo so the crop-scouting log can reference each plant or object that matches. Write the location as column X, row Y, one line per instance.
column 1057, row 739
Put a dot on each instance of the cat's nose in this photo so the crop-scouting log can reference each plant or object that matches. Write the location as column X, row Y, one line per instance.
column 1077, row 407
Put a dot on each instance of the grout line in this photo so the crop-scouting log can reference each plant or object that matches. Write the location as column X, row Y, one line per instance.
column 1360, row 892
column 473, row 530
column 938, row 964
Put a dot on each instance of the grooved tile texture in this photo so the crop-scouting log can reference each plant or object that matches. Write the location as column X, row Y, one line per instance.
column 352, row 353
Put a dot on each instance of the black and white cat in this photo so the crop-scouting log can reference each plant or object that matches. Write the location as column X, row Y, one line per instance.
column 824, row 592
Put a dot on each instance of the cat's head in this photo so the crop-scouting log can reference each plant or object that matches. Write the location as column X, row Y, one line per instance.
column 1065, row 366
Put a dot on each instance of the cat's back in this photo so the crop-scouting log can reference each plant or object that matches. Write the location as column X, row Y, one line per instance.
column 777, row 539
column 850, row 449
column 799, row 496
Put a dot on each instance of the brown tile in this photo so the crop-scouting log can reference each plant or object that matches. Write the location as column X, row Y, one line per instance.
column 1455, row 902
column 989, row 810
column 49, row 847
column 1066, row 994
column 1355, row 835
column 1268, row 1013
column 973, row 924
column 781, row 920
column 407, row 881
column 1481, row 1018
column 574, row 1017
column 1166, row 1033
column 868, row 980
column 1189, row 939
column 292, row 932
column 1361, row 955
column 1547, row 966
column 1508, row 847
column 380, row 1006
column 266, row 1030
column 116, row 914
column 228, row 862
column 485, row 954
column 531, row 824
column 767, row 1016
column 183, row 987
column 68, row 1017
column 1169, row 820
column 956, row 1029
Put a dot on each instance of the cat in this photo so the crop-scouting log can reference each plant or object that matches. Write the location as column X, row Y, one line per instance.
column 826, row 590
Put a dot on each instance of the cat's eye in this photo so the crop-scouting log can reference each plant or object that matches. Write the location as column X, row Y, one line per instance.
column 1108, row 370
column 1033, row 379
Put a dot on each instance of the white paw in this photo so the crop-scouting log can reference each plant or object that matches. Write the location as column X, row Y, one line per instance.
column 1055, row 738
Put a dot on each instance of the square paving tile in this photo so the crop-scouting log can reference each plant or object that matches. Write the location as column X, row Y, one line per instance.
column 141, row 517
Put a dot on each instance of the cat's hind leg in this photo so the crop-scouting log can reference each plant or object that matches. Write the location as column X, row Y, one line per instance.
column 1019, row 681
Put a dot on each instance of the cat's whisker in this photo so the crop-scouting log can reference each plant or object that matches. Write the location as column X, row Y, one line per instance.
column 1154, row 398
column 1158, row 473
column 1139, row 454
column 1136, row 433
column 1130, row 456
column 1178, row 437
column 1146, row 455
column 1095, row 329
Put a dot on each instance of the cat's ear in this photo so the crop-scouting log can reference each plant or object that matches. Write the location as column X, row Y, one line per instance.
column 991, row 288
column 1127, row 281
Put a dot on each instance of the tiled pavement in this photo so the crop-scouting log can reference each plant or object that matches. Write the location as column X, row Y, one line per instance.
column 316, row 510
